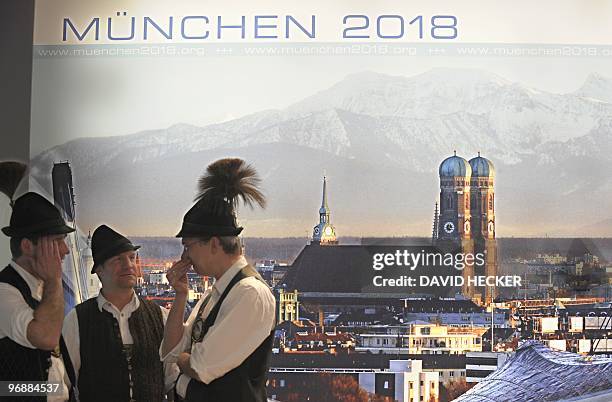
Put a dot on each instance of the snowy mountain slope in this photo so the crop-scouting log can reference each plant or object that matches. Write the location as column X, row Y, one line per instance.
column 552, row 151
column 596, row 87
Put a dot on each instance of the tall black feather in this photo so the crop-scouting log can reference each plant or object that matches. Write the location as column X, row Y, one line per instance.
column 11, row 174
column 227, row 181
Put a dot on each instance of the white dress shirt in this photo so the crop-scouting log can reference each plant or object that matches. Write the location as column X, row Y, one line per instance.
column 15, row 316
column 245, row 320
column 73, row 342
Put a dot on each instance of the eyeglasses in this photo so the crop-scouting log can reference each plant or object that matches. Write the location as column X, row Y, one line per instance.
column 187, row 245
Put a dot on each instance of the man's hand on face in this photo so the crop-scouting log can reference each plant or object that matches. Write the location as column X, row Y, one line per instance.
column 47, row 260
column 177, row 276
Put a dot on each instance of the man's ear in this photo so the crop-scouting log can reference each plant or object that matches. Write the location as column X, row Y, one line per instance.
column 98, row 271
column 27, row 247
column 215, row 244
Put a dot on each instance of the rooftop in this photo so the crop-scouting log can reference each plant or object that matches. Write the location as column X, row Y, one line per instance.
column 536, row 372
column 336, row 270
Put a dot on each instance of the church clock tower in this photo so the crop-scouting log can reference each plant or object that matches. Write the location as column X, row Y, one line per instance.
column 483, row 215
column 466, row 221
column 455, row 215
column 455, row 220
column 324, row 233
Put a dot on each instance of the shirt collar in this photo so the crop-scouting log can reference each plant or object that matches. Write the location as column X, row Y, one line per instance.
column 131, row 306
column 225, row 279
column 35, row 284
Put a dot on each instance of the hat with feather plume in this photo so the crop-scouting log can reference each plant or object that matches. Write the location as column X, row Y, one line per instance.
column 225, row 184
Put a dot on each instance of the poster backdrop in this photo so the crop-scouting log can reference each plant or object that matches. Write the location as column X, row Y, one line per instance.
column 140, row 96
column 366, row 100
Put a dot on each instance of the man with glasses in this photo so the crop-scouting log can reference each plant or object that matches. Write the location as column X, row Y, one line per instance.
column 223, row 349
column 32, row 298
column 114, row 338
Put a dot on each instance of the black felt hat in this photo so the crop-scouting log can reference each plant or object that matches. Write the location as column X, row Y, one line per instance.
column 200, row 221
column 107, row 243
column 34, row 215
column 225, row 182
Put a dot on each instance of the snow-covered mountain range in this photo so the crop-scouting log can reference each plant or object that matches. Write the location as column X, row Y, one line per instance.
column 380, row 139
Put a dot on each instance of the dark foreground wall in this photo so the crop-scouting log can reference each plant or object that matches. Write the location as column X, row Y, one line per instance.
column 16, row 27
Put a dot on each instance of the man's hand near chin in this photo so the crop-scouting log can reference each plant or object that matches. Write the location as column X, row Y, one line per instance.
column 173, row 330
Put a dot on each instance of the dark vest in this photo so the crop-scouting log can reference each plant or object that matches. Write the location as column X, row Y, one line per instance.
column 106, row 366
column 18, row 363
column 245, row 383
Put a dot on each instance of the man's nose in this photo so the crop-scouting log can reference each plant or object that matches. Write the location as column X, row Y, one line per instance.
column 128, row 263
column 64, row 248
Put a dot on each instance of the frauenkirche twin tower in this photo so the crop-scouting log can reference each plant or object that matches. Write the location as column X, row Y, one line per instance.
column 466, row 220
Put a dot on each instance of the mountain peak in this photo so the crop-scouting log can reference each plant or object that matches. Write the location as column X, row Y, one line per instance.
column 436, row 92
column 182, row 128
column 595, row 76
column 596, row 86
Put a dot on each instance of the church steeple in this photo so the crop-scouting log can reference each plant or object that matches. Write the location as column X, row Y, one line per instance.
column 324, row 210
column 324, row 232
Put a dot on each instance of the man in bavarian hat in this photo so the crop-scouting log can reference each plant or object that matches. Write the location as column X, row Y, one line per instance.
column 113, row 339
column 223, row 349
column 31, row 295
